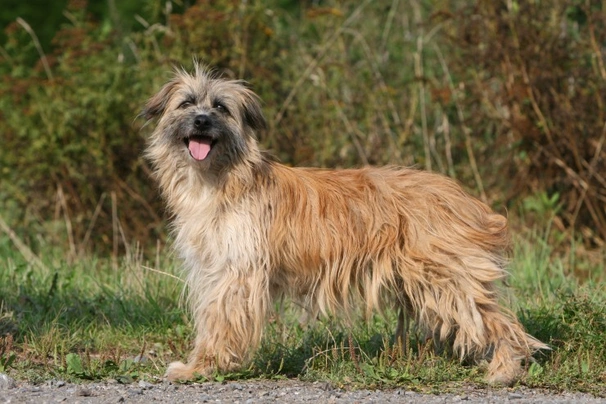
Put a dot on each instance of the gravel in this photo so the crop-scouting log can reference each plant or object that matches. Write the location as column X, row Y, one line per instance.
column 261, row 391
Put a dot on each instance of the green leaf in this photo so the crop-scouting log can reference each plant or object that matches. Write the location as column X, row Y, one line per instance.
column 6, row 362
column 535, row 369
column 74, row 364
column 126, row 365
column 125, row 379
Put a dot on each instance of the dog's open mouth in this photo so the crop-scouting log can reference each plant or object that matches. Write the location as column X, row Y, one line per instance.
column 199, row 146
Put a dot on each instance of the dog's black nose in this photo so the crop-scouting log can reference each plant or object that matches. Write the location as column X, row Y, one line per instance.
column 202, row 121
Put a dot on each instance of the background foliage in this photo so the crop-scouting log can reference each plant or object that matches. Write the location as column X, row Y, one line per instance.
column 506, row 96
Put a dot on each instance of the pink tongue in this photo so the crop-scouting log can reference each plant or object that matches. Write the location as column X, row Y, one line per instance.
column 199, row 148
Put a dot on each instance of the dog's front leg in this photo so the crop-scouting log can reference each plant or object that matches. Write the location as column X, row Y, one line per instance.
column 229, row 318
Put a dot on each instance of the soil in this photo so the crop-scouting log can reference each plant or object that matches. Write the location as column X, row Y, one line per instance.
column 263, row 391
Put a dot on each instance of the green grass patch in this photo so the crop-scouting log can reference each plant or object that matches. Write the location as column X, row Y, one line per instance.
column 88, row 319
column 95, row 319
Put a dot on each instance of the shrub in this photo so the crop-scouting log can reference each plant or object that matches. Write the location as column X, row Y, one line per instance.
column 534, row 81
column 68, row 137
column 481, row 92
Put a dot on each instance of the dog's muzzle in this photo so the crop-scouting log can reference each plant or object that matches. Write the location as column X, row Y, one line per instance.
column 200, row 145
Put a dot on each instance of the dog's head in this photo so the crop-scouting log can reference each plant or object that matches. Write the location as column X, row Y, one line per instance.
column 205, row 120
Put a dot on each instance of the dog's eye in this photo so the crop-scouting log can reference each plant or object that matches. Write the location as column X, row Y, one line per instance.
column 186, row 104
column 219, row 106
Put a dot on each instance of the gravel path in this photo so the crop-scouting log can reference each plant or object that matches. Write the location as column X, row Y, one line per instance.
column 261, row 391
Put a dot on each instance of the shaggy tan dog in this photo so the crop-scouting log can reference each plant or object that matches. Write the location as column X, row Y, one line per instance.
column 250, row 231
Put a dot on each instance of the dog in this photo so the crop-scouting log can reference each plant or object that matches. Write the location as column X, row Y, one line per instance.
column 251, row 230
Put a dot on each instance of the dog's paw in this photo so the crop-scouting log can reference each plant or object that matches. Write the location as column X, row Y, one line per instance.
column 181, row 371
column 504, row 375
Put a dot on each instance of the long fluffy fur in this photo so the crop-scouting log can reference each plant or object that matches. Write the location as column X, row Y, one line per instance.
column 250, row 230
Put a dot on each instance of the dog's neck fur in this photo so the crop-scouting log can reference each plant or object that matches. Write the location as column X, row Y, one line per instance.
column 214, row 189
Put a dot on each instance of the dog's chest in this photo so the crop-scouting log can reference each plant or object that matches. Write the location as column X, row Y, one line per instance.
column 218, row 239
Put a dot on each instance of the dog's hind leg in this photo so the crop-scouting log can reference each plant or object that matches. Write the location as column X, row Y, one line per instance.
column 465, row 308
column 405, row 314
column 509, row 345
column 401, row 335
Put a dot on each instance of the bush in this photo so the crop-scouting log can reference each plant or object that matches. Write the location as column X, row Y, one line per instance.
column 534, row 80
column 479, row 92
column 68, row 138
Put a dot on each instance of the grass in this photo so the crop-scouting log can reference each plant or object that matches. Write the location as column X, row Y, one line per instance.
column 94, row 319
column 106, row 313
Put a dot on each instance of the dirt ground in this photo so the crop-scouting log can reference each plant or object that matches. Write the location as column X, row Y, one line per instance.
column 262, row 391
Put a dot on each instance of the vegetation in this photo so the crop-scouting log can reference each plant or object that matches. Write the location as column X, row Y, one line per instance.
column 507, row 97
column 95, row 319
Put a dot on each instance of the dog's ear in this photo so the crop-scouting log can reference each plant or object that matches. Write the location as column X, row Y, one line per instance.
column 156, row 105
column 253, row 115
